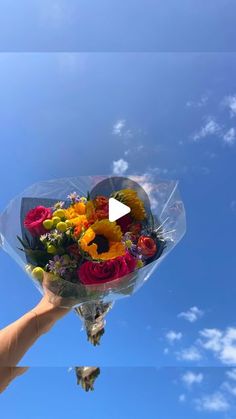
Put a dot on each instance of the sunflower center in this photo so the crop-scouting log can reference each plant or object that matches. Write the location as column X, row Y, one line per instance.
column 102, row 243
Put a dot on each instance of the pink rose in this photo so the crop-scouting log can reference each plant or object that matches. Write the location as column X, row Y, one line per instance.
column 91, row 273
column 34, row 220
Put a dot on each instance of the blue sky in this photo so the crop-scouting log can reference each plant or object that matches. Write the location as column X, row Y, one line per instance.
column 124, row 393
column 172, row 114
column 78, row 25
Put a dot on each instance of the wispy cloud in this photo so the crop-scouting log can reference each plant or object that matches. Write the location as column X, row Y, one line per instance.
column 119, row 167
column 173, row 336
column 222, row 343
column 182, row 398
column 120, row 129
column 197, row 103
column 190, row 378
column 231, row 374
column 231, row 389
column 233, row 205
column 230, row 103
column 215, row 402
column 210, row 128
column 191, row 315
column 189, row 354
column 230, row 136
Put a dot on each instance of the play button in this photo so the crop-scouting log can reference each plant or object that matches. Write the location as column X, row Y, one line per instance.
column 117, row 209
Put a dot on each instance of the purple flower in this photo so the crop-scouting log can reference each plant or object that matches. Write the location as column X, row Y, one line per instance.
column 60, row 265
column 73, row 197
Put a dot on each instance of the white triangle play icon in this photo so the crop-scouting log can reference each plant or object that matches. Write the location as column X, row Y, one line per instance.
column 117, row 209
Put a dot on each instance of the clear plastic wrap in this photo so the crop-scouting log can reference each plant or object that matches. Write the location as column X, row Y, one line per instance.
column 165, row 207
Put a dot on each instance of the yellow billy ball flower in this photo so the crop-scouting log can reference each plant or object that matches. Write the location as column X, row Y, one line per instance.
column 139, row 264
column 128, row 243
column 68, row 223
column 48, row 224
column 38, row 273
column 51, row 249
column 59, row 213
column 62, row 226
column 56, row 220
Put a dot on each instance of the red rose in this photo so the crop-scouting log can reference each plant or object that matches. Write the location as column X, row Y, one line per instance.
column 74, row 251
column 148, row 246
column 34, row 220
column 91, row 273
column 125, row 222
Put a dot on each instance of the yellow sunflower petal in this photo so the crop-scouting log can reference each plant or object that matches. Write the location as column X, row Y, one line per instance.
column 130, row 198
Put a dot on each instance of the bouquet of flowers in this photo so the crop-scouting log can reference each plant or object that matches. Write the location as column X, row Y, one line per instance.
column 64, row 239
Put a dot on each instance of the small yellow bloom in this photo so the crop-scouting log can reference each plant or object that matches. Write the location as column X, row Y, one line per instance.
column 51, row 249
column 62, row 226
column 59, row 213
column 38, row 273
column 139, row 264
column 48, row 224
column 56, row 220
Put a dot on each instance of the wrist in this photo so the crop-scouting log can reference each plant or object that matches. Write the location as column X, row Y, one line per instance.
column 47, row 314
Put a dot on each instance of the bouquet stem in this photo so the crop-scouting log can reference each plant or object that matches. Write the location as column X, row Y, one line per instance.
column 86, row 377
column 93, row 316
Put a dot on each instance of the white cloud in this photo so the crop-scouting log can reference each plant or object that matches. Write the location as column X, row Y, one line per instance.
column 210, row 128
column 199, row 103
column 119, row 167
column 221, row 343
column 233, row 205
column 166, row 351
column 229, row 388
column 230, row 103
column 173, row 336
column 191, row 315
column 230, row 136
column 182, row 398
column 190, row 378
column 118, row 127
column 215, row 402
column 231, row 374
column 189, row 354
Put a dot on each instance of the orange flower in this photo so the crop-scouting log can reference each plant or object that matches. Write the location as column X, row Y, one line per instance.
column 74, row 210
column 97, row 209
column 148, row 246
column 80, row 223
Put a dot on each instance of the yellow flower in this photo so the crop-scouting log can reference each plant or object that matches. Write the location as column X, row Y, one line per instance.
column 102, row 240
column 75, row 210
column 130, row 198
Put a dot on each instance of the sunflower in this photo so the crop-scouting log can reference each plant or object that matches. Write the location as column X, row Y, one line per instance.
column 102, row 240
column 130, row 198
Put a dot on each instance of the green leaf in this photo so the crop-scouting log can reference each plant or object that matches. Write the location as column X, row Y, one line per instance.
column 22, row 242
